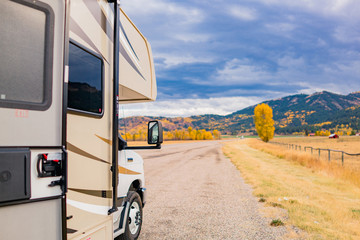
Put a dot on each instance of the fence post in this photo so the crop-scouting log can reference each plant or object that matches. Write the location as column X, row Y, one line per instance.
column 311, row 150
column 342, row 158
column 329, row 154
column 319, row 153
column 300, row 148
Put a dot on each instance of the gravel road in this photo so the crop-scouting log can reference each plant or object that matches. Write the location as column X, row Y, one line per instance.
column 194, row 192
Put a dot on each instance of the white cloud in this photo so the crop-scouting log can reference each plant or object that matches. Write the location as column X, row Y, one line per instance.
column 183, row 32
column 340, row 77
column 347, row 34
column 280, row 28
column 172, row 28
column 321, row 43
column 348, row 9
column 190, row 107
column 290, row 62
column 238, row 72
column 168, row 60
column 291, row 71
column 243, row 13
column 310, row 90
column 342, row 72
column 192, row 37
column 168, row 11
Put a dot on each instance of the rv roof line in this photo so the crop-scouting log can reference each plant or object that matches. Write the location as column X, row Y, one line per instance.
column 130, row 100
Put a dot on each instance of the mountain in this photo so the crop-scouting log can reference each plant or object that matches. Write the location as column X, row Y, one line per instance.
column 295, row 113
column 320, row 101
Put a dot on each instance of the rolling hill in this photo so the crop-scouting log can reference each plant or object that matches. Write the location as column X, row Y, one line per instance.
column 295, row 113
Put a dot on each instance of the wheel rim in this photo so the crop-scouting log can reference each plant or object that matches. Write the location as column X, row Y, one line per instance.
column 134, row 218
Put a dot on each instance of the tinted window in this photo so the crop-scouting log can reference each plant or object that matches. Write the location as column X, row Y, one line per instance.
column 26, row 55
column 85, row 81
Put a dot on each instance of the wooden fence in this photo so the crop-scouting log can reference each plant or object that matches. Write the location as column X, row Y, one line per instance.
column 317, row 150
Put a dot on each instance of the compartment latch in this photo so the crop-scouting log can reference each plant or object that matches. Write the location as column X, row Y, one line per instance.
column 49, row 165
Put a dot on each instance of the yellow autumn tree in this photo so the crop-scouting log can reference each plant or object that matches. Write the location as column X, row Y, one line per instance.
column 217, row 134
column 264, row 122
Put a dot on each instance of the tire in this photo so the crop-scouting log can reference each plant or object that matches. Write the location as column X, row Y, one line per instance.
column 135, row 216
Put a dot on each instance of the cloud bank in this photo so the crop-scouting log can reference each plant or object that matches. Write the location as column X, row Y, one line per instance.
column 260, row 49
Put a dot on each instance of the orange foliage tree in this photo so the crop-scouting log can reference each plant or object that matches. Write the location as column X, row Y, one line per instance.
column 264, row 123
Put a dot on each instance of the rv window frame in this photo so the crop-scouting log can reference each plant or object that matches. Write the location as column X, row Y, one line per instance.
column 97, row 55
column 48, row 60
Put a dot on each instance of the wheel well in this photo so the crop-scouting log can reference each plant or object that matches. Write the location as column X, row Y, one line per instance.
column 135, row 186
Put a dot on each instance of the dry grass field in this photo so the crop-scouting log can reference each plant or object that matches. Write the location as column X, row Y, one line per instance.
column 349, row 144
column 319, row 197
column 350, row 171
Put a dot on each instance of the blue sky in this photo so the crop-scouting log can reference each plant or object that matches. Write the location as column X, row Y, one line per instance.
column 218, row 57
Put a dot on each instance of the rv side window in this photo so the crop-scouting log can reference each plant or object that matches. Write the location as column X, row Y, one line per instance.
column 85, row 81
column 26, row 45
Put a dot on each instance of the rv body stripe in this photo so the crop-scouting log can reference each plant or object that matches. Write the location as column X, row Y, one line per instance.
column 121, row 170
column 70, row 231
column 92, row 208
column 107, row 26
column 108, row 141
column 127, row 40
column 128, row 59
column 74, row 27
column 81, row 152
column 128, row 47
column 95, row 193
column 108, row 11
column 102, row 20
column 141, row 36
column 126, row 171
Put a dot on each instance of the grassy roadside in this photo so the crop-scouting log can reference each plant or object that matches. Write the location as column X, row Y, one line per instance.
column 322, row 205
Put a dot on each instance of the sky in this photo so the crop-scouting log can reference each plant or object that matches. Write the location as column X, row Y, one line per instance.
column 217, row 57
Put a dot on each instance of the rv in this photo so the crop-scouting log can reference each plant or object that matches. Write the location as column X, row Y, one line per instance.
column 65, row 172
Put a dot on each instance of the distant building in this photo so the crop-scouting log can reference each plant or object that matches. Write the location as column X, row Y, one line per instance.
column 311, row 135
column 357, row 134
column 334, row 136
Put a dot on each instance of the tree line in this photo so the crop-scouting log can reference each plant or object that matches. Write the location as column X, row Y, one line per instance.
column 183, row 134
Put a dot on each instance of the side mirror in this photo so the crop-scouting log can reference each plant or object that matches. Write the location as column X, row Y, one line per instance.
column 155, row 133
column 155, row 136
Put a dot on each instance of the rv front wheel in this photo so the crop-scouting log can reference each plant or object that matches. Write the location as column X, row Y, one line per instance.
column 134, row 221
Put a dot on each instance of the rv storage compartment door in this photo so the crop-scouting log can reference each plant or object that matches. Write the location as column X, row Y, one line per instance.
column 137, row 81
column 14, row 174
column 31, row 112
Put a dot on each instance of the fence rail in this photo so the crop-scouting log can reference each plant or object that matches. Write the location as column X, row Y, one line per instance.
column 299, row 147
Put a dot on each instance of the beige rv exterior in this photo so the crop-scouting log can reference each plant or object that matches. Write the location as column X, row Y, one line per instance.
column 88, row 27
column 91, row 26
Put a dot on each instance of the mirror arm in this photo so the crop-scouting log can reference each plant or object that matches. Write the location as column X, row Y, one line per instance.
column 158, row 146
column 122, row 143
